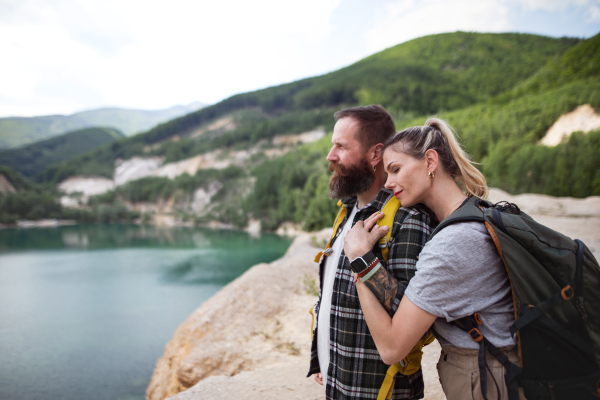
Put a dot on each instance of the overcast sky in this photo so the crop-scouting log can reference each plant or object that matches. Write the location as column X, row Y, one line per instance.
column 64, row 56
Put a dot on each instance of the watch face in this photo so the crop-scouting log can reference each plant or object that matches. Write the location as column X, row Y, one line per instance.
column 359, row 265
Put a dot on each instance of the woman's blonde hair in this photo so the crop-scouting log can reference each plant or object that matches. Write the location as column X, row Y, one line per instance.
column 437, row 135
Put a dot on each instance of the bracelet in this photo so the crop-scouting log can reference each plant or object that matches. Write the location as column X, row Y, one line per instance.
column 370, row 273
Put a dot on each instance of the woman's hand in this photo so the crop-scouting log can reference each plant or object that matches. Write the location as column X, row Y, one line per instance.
column 363, row 236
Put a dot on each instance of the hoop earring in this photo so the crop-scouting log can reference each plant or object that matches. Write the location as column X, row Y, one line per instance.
column 373, row 168
column 431, row 175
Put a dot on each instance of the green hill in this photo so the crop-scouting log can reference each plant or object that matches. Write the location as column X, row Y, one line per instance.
column 419, row 77
column 18, row 131
column 32, row 159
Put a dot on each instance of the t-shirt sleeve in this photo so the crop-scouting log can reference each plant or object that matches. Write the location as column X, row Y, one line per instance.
column 451, row 272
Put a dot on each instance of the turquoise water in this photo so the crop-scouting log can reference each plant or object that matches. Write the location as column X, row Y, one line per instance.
column 85, row 311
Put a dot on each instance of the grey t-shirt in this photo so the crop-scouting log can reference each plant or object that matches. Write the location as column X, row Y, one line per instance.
column 459, row 272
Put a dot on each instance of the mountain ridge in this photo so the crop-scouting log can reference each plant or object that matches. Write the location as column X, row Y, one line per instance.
column 29, row 160
column 18, row 131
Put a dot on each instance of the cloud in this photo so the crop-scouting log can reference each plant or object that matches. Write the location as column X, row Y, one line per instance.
column 151, row 54
column 65, row 55
column 409, row 19
column 554, row 5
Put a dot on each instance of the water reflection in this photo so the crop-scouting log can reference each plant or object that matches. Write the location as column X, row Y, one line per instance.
column 75, row 239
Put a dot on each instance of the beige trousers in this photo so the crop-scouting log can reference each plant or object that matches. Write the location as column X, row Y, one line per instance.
column 459, row 374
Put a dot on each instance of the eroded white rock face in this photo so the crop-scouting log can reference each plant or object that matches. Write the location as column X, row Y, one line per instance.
column 583, row 118
column 306, row 137
column 202, row 196
column 135, row 168
column 87, row 185
column 225, row 123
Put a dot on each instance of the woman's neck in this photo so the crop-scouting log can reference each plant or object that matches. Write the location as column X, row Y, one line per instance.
column 445, row 197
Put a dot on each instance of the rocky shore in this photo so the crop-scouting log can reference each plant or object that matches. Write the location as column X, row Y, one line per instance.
column 251, row 340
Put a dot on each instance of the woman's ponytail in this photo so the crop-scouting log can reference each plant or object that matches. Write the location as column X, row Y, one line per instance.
column 471, row 177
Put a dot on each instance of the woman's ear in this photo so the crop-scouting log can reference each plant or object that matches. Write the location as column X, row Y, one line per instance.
column 431, row 160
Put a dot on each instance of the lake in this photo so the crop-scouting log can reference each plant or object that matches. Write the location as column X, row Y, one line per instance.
column 86, row 310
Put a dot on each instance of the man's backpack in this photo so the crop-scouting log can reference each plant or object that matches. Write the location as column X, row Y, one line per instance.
column 555, row 284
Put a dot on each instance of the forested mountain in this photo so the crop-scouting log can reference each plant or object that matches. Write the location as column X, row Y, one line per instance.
column 419, row 77
column 34, row 158
column 18, row 131
column 500, row 91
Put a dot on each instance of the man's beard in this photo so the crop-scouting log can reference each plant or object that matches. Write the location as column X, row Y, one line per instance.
column 349, row 181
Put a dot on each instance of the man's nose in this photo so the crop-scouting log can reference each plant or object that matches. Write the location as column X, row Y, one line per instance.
column 331, row 157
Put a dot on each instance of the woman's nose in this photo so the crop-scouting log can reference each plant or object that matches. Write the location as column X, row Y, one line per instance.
column 389, row 184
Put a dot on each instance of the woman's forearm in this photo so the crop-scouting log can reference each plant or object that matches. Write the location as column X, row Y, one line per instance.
column 395, row 337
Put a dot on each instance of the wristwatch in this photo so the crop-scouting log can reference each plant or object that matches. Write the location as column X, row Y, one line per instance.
column 361, row 264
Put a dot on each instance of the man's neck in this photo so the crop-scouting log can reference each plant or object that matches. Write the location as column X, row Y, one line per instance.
column 366, row 197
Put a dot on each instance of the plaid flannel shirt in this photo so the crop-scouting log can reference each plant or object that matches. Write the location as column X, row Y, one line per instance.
column 356, row 370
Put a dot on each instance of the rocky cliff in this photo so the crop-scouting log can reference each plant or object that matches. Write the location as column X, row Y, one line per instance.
column 258, row 321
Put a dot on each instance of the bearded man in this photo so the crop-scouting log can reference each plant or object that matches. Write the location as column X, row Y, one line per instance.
column 344, row 357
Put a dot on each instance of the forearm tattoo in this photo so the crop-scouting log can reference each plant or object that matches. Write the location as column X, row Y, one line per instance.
column 385, row 287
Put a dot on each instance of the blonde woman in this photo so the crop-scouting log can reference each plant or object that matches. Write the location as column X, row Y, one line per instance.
column 459, row 271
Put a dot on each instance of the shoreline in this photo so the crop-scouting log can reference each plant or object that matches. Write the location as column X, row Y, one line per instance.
column 42, row 223
column 286, row 229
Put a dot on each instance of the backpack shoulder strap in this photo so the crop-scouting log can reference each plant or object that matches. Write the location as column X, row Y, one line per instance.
column 469, row 211
column 389, row 214
column 336, row 224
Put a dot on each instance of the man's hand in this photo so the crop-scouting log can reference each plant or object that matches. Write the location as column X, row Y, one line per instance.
column 319, row 378
column 363, row 236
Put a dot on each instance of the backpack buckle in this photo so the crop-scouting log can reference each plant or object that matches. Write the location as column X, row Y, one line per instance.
column 384, row 244
column 567, row 292
column 476, row 335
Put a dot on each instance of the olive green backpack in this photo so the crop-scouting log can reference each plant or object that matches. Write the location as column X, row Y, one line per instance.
column 555, row 284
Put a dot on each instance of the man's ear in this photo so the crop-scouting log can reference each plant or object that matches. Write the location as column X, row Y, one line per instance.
column 431, row 160
column 376, row 154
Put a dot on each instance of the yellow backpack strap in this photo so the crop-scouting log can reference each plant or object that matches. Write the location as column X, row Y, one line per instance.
column 389, row 213
column 388, row 383
column 336, row 225
column 312, row 322
column 408, row 366
column 412, row 362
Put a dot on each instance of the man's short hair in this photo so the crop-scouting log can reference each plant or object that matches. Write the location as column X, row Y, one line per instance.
column 376, row 124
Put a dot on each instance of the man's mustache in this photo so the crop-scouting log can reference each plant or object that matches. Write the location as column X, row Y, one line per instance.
column 337, row 168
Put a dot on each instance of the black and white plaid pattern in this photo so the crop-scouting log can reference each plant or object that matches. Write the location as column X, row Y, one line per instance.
column 356, row 370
